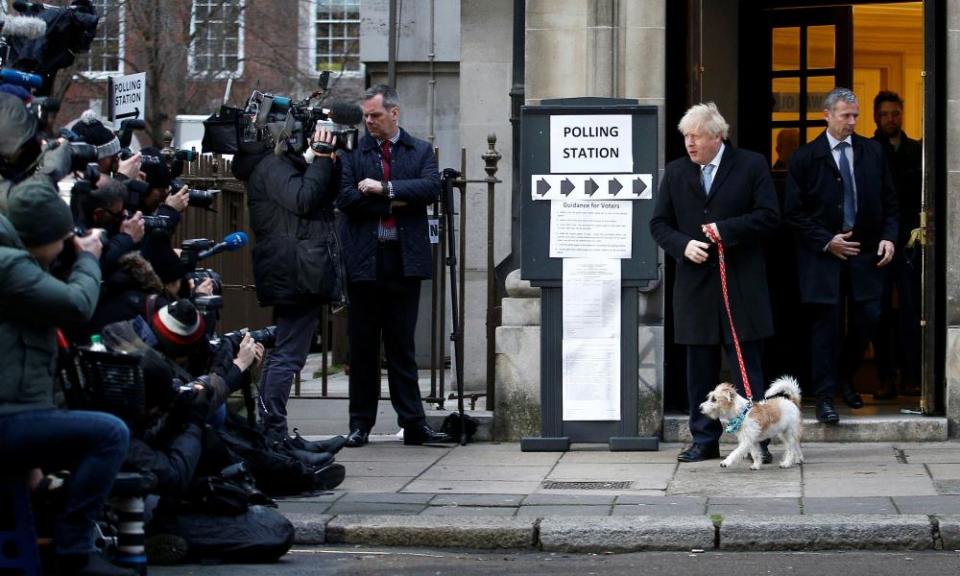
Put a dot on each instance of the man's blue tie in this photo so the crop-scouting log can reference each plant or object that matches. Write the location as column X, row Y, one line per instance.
column 707, row 178
column 849, row 202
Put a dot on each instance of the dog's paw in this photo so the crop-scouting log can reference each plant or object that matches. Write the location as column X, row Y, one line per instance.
column 724, row 464
column 755, row 466
column 785, row 465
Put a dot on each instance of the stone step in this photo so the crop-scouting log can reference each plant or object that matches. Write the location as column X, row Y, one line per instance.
column 876, row 428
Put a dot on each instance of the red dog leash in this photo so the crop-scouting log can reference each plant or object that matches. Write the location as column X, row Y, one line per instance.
column 709, row 231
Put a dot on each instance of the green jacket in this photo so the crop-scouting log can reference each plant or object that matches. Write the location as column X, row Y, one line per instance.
column 32, row 304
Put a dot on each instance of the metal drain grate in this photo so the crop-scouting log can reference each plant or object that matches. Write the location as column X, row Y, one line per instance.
column 552, row 485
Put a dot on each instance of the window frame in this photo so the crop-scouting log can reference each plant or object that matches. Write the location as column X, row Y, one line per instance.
column 121, row 6
column 312, row 38
column 192, row 70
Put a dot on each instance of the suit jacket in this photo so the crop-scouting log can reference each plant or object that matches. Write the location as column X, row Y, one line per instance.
column 416, row 181
column 743, row 204
column 814, row 210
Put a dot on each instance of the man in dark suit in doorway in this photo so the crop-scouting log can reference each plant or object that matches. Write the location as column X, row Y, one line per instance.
column 730, row 192
column 387, row 182
column 842, row 205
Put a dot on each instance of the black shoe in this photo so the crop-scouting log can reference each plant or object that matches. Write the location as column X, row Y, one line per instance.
column 313, row 459
column 423, row 434
column 699, row 453
column 852, row 398
column 333, row 445
column 826, row 413
column 357, row 438
column 329, row 477
column 93, row 564
column 765, row 456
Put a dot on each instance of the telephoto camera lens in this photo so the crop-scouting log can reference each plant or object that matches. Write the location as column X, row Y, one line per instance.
column 202, row 198
column 152, row 222
column 81, row 154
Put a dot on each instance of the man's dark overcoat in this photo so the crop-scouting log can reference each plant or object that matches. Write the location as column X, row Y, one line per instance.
column 743, row 203
column 814, row 210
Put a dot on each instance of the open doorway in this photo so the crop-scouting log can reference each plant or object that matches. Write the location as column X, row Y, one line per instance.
column 796, row 52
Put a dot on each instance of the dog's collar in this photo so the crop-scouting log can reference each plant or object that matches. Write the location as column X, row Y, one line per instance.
column 734, row 424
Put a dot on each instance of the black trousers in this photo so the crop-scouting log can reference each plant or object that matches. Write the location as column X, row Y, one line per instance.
column 703, row 373
column 384, row 308
column 825, row 343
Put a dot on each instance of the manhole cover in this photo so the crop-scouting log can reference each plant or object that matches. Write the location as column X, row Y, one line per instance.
column 552, row 485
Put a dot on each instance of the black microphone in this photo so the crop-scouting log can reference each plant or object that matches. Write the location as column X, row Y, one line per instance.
column 344, row 113
column 233, row 241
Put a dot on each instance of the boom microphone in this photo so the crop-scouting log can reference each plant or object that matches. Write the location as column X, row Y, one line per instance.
column 22, row 27
column 344, row 114
column 232, row 242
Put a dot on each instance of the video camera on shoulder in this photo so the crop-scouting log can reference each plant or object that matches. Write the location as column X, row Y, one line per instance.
column 283, row 123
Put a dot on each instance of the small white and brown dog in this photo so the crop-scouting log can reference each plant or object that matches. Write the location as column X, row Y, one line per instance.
column 777, row 415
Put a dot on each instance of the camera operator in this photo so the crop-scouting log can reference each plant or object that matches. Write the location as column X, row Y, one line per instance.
column 32, row 432
column 102, row 207
column 296, row 258
column 22, row 153
column 92, row 131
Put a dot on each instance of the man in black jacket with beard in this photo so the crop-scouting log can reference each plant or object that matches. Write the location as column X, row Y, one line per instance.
column 295, row 259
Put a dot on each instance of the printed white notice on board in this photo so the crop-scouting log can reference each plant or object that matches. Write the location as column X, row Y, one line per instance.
column 591, row 339
column 591, row 143
column 591, row 229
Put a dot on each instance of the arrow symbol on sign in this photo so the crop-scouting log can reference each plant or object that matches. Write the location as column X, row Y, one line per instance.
column 638, row 186
column 134, row 114
column 590, row 187
column 615, row 186
column 543, row 187
column 566, row 187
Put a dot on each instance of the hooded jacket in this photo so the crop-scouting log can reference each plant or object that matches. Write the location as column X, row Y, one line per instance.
column 296, row 257
column 32, row 304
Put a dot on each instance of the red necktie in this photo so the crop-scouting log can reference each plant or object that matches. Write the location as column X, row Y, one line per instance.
column 387, row 222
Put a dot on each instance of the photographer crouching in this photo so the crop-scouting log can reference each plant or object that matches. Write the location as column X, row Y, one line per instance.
column 32, row 432
column 296, row 257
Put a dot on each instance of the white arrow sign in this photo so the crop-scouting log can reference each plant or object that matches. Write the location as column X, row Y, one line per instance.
column 592, row 186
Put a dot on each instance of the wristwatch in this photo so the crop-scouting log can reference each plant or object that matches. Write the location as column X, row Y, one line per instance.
column 389, row 187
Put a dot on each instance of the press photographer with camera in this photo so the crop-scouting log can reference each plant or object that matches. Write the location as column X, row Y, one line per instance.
column 22, row 153
column 33, row 433
column 102, row 207
column 295, row 260
column 92, row 131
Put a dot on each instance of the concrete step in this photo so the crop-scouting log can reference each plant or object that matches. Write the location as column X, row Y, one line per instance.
column 852, row 428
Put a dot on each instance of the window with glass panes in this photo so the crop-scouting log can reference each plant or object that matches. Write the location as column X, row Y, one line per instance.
column 216, row 32
column 337, row 35
column 106, row 51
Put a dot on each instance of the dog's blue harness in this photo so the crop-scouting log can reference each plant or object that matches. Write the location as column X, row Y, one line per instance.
column 736, row 422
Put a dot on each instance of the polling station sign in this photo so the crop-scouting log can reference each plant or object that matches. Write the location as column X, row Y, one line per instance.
column 591, row 143
column 127, row 96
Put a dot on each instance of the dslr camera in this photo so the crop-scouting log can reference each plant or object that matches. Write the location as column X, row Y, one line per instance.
column 266, row 336
column 190, row 254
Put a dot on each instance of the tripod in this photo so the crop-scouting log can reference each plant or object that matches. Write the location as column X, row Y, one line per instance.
column 448, row 180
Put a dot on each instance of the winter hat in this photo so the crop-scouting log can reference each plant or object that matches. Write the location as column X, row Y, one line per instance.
column 158, row 174
column 92, row 131
column 17, row 124
column 157, row 250
column 38, row 213
column 178, row 324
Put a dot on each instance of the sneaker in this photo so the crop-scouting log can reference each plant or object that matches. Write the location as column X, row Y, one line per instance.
column 166, row 549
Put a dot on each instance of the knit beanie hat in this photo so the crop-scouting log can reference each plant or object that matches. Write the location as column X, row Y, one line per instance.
column 17, row 124
column 38, row 213
column 156, row 249
column 92, row 131
column 178, row 324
